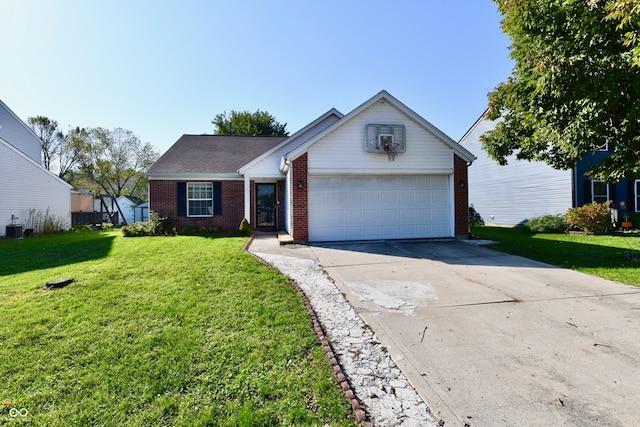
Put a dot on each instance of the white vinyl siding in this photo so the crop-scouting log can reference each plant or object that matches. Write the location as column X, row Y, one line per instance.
column 511, row 194
column 378, row 207
column 18, row 134
column 269, row 167
column 343, row 151
column 25, row 185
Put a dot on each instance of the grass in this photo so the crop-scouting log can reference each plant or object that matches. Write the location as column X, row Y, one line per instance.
column 609, row 257
column 157, row 331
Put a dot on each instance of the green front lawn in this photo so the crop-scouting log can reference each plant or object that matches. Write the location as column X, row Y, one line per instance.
column 609, row 257
column 157, row 331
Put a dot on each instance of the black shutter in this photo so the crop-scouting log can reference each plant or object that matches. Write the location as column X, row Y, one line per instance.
column 182, row 199
column 612, row 195
column 587, row 192
column 217, row 198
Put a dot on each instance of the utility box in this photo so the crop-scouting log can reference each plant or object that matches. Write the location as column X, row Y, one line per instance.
column 14, row 231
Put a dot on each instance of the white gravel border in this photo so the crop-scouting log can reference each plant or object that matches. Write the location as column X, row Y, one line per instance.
column 379, row 385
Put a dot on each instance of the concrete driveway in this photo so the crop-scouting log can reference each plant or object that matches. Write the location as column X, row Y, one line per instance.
column 490, row 339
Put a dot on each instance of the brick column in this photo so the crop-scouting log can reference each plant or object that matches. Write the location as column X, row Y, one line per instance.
column 299, row 170
column 461, row 197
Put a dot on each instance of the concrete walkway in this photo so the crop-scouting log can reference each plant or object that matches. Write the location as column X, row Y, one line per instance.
column 489, row 339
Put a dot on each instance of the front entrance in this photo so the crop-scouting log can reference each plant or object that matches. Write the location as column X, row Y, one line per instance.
column 266, row 205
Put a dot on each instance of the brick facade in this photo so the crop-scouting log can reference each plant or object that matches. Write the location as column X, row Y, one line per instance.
column 300, row 224
column 461, row 197
column 163, row 200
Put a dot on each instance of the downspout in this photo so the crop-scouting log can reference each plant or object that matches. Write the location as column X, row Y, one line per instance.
column 247, row 199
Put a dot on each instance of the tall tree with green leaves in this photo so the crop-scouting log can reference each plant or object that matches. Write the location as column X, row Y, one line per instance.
column 626, row 13
column 51, row 138
column 575, row 85
column 114, row 162
column 76, row 142
column 248, row 124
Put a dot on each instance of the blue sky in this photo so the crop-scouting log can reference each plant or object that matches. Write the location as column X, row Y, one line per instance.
column 165, row 68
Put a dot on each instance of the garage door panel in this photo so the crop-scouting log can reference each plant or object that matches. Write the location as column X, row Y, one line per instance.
column 354, row 216
column 387, row 207
column 389, row 198
column 371, row 214
column 371, row 198
column 389, row 215
column 387, row 182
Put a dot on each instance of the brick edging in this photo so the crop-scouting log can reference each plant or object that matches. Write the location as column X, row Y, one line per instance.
column 358, row 410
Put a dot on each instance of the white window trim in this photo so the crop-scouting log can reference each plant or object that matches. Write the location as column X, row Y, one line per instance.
column 636, row 190
column 593, row 193
column 604, row 147
column 196, row 199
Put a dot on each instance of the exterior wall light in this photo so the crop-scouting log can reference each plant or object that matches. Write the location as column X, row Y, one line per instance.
column 300, row 184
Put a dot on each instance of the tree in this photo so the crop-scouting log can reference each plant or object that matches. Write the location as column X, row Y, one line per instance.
column 76, row 142
column 627, row 14
column 574, row 86
column 114, row 162
column 250, row 124
column 51, row 138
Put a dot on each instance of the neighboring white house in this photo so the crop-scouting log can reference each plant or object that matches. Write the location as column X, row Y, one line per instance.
column 141, row 212
column 25, row 185
column 126, row 209
column 509, row 195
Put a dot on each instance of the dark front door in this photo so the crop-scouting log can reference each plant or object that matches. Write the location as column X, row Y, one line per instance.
column 265, row 205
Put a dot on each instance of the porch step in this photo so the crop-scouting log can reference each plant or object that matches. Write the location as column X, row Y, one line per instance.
column 284, row 238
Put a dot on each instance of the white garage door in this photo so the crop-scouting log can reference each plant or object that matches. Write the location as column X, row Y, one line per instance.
column 378, row 207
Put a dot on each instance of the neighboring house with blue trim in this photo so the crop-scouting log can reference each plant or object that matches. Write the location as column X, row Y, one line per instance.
column 509, row 195
column 587, row 190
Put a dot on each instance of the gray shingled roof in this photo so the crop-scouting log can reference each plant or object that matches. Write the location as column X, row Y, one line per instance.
column 212, row 153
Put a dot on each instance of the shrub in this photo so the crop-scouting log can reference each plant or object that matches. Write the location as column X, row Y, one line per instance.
column 592, row 218
column 245, row 228
column 137, row 229
column 106, row 226
column 81, row 228
column 157, row 226
column 161, row 225
column 474, row 217
column 548, row 224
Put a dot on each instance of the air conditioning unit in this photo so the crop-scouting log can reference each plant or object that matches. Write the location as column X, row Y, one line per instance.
column 14, row 231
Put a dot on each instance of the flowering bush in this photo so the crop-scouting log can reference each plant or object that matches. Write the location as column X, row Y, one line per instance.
column 593, row 218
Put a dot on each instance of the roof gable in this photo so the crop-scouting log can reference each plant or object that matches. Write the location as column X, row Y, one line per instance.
column 382, row 96
column 296, row 139
column 17, row 133
column 212, row 154
column 33, row 163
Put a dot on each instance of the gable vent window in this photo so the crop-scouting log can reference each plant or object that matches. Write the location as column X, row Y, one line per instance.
column 386, row 138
